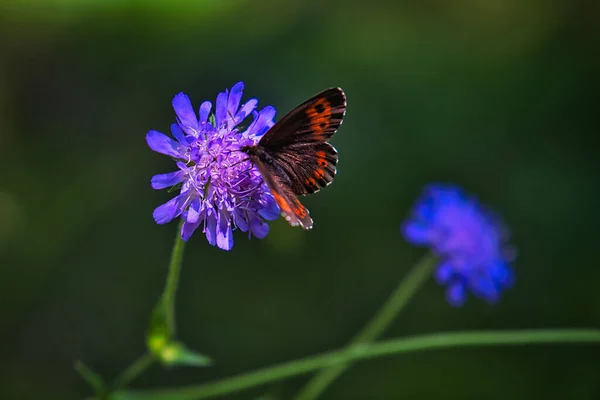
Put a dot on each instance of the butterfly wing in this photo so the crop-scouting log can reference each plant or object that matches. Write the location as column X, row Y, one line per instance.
column 280, row 186
column 298, row 142
column 315, row 120
column 310, row 167
column 294, row 157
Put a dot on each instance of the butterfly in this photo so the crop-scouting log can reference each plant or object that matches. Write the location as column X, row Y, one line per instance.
column 294, row 156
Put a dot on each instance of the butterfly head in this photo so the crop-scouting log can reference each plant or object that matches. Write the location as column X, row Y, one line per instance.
column 256, row 153
column 250, row 150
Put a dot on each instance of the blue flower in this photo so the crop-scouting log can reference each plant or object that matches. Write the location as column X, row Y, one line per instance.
column 221, row 190
column 469, row 240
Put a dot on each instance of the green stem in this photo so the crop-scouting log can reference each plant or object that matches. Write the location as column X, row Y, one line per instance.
column 378, row 323
column 168, row 297
column 134, row 370
column 397, row 301
column 365, row 351
column 163, row 318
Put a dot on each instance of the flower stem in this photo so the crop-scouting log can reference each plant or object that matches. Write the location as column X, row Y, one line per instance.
column 378, row 323
column 365, row 351
column 134, row 370
column 168, row 297
column 163, row 318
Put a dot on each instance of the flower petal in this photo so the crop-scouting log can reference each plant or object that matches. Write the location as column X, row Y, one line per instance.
column 221, row 109
column 456, row 294
column 162, row 181
column 171, row 209
column 193, row 215
column 187, row 229
column 163, row 144
column 185, row 113
column 239, row 218
column 205, row 111
column 263, row 121
column 179, row 135
column 271, row 210
column 444, row 272
column 501, row 273
column 224, row 233
column 416, row 233
column 211, row 229
column 245, row 110
column 485, row 288
column 258, row 227
column 233, row 102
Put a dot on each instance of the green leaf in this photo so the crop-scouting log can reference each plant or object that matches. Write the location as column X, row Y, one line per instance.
column 159, row 333
column 176, row 353
column 212, row 120
column 92, row 378
column 175, row 188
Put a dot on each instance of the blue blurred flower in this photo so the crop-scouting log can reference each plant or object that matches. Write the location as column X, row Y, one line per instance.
column 219, row 190
column 469, row 240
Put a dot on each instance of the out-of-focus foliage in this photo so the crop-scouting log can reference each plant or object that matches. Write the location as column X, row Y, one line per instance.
column 500, row 97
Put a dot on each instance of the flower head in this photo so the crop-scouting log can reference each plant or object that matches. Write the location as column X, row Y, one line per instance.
column 220, row 188
column 469, row 240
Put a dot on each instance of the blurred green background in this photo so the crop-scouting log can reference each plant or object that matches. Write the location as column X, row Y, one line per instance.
column 500, row 97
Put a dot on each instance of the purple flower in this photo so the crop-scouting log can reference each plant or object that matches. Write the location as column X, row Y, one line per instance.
column 220, row 188
column 469, row 241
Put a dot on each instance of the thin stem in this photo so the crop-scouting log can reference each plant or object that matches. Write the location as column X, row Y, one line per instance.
column 134, row 370
column 397, row 301
column 167, row 306
column 378, row 323
column 168, row 297
column 365, row 351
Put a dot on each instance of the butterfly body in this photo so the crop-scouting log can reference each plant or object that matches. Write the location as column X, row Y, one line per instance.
column 294, row 156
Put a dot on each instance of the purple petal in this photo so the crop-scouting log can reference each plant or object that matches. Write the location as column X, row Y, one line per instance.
column 211, row 229
column 179, row 135
column 163, row 144
column 501, row 273
column 171, row 209
column 484, row 287
column 239, row 218
column 221, row 109
column 185, row 112
column 270, row 211
column 193, row 215
column 259, row 228
column 162, row 181
column 263, row 121
column 205, row 111
column 416, row 233
column 233, row 102
column 246, row 109
column 425, row 211
column 224, row 233
column 187, row 229
column 181, row 165
column 444, row 272
column 456, row 294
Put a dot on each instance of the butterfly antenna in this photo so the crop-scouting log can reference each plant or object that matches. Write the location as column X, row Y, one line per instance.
column 239, row 162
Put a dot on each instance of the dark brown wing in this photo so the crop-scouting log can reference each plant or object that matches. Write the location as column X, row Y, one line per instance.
column 315, row 120
column 298, row 142
column 310, row 166
column 278, row 182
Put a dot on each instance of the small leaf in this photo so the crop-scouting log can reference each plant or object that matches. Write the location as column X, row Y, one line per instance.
column 92, row 378
column 158, row 332
column 212, row 120
column 175, row 188
column 176, row 353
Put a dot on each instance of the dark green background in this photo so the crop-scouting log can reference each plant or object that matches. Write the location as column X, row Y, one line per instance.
column 500, row 97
